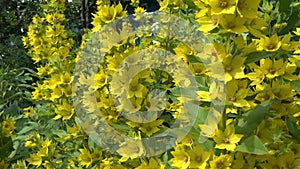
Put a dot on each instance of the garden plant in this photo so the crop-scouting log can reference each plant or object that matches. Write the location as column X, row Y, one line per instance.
column 208, row 84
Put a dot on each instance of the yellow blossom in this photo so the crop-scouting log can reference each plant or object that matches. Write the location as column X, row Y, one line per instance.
column 151, row 128
column 133, row 148
column 181, row 159
column 233, row 23
column 256, row 77
column 247, row 8
column 136, row 89
column 85, row 158
column 272, row 68
column 224, row 161
column 227, row 139
column 269, row 44
column 35, row 159
column 236, row 95
column 8, row 127
column 152, row 164
column 65, row 110
column 198, row 157
column 139, row 10
column 222, row 6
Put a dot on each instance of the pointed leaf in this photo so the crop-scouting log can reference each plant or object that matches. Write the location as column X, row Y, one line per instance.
column 293, row 129
column 252, row 145
column 284, row 5
column 256, row 56
column 251, row 119
column 295, row 85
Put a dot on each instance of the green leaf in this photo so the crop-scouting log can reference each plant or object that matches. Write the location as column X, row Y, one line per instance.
column 291, row 23
column 60, row 133
column 26, row 129
column 293, row 129
column 295, row 85
column 200, row 119
column 251, row 119
column 256, row 56
column 12, row 109
column 6, row 147
column 91, row 143
column 165, row 157
column 284, row 5
column 184, row 92
column 252, row 145
column 208, row 145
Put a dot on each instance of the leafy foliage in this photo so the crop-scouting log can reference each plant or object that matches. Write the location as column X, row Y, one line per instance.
column 257, row 43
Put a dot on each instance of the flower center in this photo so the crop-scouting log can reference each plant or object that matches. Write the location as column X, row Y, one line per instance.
column 214, row 21
column 232, row 98
column 223, row 4
column 199, row 159
column 272, row 71
column 271, row 46
column 102, row 80
column 185, row 159
column 228, row 68
column 226, row 140
column 137, row 150
column 220, row 165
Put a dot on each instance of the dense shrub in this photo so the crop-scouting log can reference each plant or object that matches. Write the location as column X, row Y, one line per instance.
column 257, row 43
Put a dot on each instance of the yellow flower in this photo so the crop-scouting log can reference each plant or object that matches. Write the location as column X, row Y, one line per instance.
column 100, row 79
column 227, row 139
column 151, row 128
column 8, row 127
column 163, row 4
column 65, row 110
column 152, row 164
column 237, row 95
column 181, row 158
column 288, row 160
column 282, row 91
column 139, row 10
column 207, row 23
column 255, row 26
column 108, row 13
column 132, row 148
column 199, row 157
column 30, row 144
column 233, row 23
column 290, row 68
column 85, row 158
column 233, row 67
column 247, row 8
column 215, row 92
column 287, row 45
column 222, row 6
column 271, row 68
column 35, row 159
column 271, row 44
column 208, row 130
column 119, row 10
column 135, row 3
column 3, row 164
column 256, row 77
column 182, row 50
column 136, row 89
column 297, row 32
column 238, row 162
column 224, row 161
column 264, row 93
column 66, row 78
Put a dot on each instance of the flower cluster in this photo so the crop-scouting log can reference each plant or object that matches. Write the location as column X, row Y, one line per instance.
column 256, row 43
